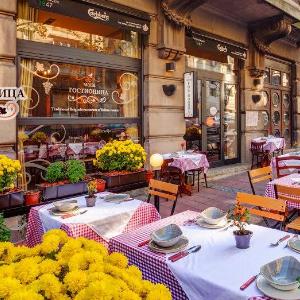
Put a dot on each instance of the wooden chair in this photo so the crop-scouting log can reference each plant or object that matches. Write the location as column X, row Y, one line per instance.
column 267, row 208
column 172, row 174
column 198, row 171
column 259, row 175
column 289, row 194
column 163, row 189
column 258, row 153
column 281, row 166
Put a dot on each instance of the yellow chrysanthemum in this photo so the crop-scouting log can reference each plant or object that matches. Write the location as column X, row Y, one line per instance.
column 63, row 237
column 49, row 266
column 27, row 269
column 75, row 281
column 118, row 260
column 159, row 292
column 129, row 295
column 50, row 244
column 7, row 271
column 49, row 286
column 70, row 248
column 8, row 286
column 25, row 295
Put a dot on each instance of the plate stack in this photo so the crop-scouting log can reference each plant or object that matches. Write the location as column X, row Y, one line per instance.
column 168, row 239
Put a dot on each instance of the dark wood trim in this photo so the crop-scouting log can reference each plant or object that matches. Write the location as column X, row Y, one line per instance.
column 72, row 121
column 29, row 49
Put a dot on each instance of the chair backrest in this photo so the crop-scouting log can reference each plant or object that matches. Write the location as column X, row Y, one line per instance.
column 163, row 189
column 280, row 165
column 258, row 175
column 257, row 146
column 263, row 206
column 287, row 193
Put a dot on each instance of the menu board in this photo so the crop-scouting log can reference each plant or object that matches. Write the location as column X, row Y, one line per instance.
column 189, row 95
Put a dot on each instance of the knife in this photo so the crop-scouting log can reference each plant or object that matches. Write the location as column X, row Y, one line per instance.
column 248, row 282
column 141, row 244
column 184, row 253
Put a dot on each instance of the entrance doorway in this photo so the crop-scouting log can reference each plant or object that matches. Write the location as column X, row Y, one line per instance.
column 217, row 122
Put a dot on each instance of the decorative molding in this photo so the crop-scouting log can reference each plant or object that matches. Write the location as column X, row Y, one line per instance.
column 265, row 32
column 256, row 73
column 170, row 54
column 178, row 11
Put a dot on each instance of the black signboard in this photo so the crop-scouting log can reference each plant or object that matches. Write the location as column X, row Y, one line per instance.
column 92, row 13
column 212, row 44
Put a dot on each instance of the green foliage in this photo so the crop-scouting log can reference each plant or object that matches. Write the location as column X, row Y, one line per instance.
column 75, row 170
column 55, row 172
column 4, row 231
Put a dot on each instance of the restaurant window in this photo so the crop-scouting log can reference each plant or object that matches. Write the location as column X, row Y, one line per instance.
column 67, row 90
column 56, row 29
column 75, row 103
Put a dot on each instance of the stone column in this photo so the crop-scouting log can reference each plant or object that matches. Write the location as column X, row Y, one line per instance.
column 8, row 10
column 296, row 103
column 164, row 123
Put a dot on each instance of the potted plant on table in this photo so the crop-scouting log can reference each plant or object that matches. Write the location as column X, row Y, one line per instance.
column 121, row 165
column 92, row 190
column 240, row 217
column 64, row 179
column 32, row 197
column 9, row 194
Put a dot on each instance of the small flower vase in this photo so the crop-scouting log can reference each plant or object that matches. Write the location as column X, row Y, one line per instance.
column 90, row 200
column 242, row 240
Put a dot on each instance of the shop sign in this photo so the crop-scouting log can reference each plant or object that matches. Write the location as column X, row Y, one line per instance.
column 92, row 13
column 215, row 45
column 190, row 108
column 11, row 95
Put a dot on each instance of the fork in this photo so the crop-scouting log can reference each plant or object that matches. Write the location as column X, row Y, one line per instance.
column 280, row 241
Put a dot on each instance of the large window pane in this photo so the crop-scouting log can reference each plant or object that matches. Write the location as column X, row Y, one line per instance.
column 55, row 29
column 68, row 90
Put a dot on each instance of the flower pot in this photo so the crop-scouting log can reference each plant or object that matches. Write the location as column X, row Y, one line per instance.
column 149, row 175
column 90, row 201
column 100, row 185
column 242, row 240
column 11, row 199
column 32, row 197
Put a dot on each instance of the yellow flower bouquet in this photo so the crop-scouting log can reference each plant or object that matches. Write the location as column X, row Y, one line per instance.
column 63, row 268
column 120, row 156
column 9, row 170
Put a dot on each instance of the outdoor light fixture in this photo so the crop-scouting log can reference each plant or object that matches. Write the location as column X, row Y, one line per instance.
column 171, row 66
column 156, row 160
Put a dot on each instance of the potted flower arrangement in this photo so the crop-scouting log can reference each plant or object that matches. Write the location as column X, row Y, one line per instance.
column 32, row 197
column 4, row 231
column 65, row 268
column 100, row 185
column 92, row 190
column 9, row 194
column 64, row 179
column 240, row 217
column 120, row 164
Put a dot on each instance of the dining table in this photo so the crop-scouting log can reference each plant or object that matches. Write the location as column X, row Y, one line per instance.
column 272, row 144
column 100, row 223
column 286, row 181
column 216, row 271
column 286, row 162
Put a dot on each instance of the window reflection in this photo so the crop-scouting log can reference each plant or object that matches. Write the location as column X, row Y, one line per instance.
column 275, row 78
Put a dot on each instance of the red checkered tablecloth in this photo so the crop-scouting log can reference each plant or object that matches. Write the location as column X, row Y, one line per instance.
column 153, row 265
column 145, row 214
column 286, row 180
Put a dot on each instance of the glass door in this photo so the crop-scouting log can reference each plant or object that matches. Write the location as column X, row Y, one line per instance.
column 212, row 120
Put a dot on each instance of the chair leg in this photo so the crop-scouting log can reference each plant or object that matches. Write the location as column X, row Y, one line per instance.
column 252, row 162
column 193, row 178
column 205, row 179
column 173, row 207
column 198, row 182
column 148, row 199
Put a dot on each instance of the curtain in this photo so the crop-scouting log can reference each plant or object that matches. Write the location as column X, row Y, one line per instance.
column 25, row 13
column 129, row 94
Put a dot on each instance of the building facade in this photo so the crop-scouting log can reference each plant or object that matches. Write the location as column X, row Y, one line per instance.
column 215, row 73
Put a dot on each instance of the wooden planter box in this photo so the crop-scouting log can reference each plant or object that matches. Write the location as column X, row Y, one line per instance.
column 124, row 182
column 11, row 199
column 62, row 190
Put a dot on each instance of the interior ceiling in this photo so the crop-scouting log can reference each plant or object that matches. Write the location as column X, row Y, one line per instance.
column 243, row 11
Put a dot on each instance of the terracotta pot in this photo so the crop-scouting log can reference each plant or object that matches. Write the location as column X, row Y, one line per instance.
column 32, row 197
column 100, row 185
column 242, row 240
column 149, row 175
column 90, row 201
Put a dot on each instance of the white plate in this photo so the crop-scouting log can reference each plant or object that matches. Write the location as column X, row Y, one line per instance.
column 294, row 244
column 268, row 290
column 180, row 245
column 202, row 223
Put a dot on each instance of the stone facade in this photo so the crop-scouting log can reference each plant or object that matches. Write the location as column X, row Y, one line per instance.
column 164, row 123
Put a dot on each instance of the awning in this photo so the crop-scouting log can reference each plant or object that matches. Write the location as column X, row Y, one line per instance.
column 93, row 13
column 210, row 43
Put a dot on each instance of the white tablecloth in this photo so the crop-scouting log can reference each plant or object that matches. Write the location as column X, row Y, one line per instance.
column 217, row 271
column 272, row 143
column 106, row 219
